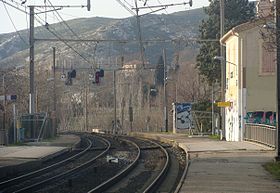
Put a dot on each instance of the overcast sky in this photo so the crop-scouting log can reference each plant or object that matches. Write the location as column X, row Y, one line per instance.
column 101, row 8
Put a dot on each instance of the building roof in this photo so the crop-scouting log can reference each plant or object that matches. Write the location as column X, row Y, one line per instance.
column 244, row 27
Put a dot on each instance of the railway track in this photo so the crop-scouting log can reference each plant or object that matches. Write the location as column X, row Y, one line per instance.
column 127, row 164
column 143, row 166
column 149, row 172
column 36, row 179
column 122, row 155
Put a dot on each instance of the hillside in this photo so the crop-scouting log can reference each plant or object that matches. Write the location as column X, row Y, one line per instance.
column 180, row 25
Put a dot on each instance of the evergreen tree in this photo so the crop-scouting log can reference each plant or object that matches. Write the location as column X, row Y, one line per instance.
column 236, row 12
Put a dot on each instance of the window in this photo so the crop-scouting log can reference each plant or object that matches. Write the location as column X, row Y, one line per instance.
column 268, row 58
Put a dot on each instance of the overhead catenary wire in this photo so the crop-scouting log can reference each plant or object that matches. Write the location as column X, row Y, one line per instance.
column 127, row 8
column 14, row 24
column 63, row 21
column 66, row 24
column 161, row 4
column 46, row 27
column 11, row 5
column 57, row 36
column 130, row 40
column 128, row 3
column 61, row 39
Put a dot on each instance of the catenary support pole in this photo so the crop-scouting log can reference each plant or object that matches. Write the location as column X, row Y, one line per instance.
column 4, row 109
column 54, row 94
column 212, row 110
column 165, row 91
column 15, row 122
column 115, row 103
column 31, row 65
column 139, row 34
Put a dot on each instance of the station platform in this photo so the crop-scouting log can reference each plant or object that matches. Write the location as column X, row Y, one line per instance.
column 215, row 166
column 32, row 154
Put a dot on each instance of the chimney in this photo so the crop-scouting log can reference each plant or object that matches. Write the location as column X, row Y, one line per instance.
column 265, row 8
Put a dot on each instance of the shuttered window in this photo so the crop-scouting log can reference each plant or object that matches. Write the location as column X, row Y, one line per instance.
column 268, row 58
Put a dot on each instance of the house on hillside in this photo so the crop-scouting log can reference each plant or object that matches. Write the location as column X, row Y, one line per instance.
column 250, row 73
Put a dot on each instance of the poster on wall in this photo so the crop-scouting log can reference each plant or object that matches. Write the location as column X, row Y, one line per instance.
column 182, row 114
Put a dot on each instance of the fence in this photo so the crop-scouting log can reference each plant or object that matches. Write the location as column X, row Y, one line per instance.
column 37, row 126
column 2, row 137
column 263, row 134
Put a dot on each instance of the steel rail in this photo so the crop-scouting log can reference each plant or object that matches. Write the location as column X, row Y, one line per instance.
column 69, row 172
column 164, row 170
column 24, row 176
column 105, row 185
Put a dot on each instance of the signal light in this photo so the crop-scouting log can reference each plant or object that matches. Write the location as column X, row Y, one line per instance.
column 101, row 73
column 73, row 73
column 97, row 76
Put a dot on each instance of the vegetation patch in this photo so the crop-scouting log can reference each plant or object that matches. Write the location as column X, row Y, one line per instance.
column 17, row 144
column 216, row 137
column 273, row 168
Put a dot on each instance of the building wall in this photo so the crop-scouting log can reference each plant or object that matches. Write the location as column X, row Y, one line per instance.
column 232, row 89
column 247, row 86
column 261, row 89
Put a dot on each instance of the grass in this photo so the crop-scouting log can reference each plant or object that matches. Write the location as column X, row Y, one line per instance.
column 273, row 168
column 217, row 137
column 17, row 144
column 50, row 139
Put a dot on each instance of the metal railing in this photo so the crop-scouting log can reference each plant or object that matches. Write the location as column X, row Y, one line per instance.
column 264, row 134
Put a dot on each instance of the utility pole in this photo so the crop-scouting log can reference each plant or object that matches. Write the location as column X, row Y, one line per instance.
column 139, row 34
column 15, row 122
column 130, row 111
column 165, row 91
column 277, row 20
column 31, row 49
column 115, row 103
column 223, row 67
column 4, row 109
column 31, row 65
column 161, row 7
column 54, row 95
column 86, row 107
column 212, row 108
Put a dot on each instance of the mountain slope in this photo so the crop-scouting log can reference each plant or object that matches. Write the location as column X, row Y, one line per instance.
column 180, row 25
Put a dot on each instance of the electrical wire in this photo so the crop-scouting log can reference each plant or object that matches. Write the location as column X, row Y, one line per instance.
column 63, row 21
column 14, row 6
column 124, row 6
column 46, row 27
column 14, row 24
column 161, row 4
column 61, row 39
column 127, row 3
column 66, row 24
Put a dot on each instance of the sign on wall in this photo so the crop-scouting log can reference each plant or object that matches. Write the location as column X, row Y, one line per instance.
column 182, row 114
